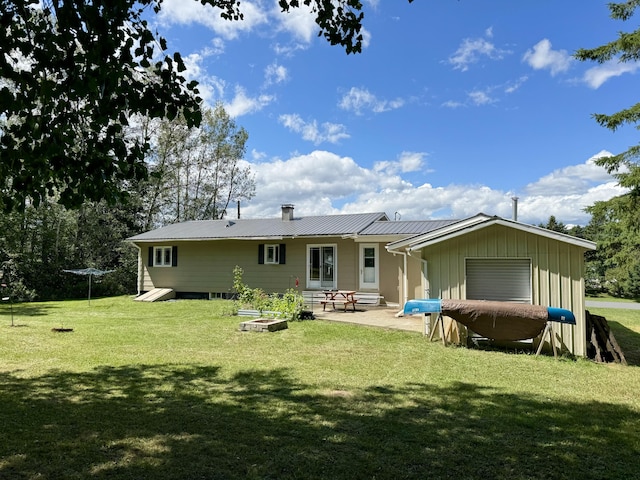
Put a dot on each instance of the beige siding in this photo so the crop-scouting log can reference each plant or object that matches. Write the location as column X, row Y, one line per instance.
column 390, row 275
column 557, row 272
column 207, row 266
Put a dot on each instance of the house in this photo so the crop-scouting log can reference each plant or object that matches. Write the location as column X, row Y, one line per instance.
column 481, row 257
column 196, row 259
column 491, row 258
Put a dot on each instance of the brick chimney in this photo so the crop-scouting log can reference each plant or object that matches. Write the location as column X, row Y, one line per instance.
column 287, row 212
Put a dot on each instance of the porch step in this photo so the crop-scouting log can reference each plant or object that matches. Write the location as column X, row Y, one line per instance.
column 156, row 295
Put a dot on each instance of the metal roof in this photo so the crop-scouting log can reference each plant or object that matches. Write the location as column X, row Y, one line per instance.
column 477, row 222
column 405, row 227
column 325, row 225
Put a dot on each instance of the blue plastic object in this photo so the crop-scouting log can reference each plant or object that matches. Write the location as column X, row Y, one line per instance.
column 426, row 305
column 561, row 315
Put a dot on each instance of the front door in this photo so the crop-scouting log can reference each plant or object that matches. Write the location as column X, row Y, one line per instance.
column 369, row 266
column 321, row 266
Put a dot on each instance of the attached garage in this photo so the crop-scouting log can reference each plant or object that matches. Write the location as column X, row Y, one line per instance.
column 491, row 258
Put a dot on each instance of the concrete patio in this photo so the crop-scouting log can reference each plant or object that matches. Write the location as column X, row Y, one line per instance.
column 382, row 317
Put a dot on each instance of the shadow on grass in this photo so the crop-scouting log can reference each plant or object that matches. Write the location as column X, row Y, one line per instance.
column 24, row 310
column 629, row 342
column 187, row 422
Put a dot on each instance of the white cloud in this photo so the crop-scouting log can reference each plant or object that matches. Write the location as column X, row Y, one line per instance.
column 299, row 22
column 311, row 131
column 211, row 87
column 543, row 57
column 366, row 37
column 241, row 104
column 567, row 191
column 514, row 86
column 257, row 155
column 407, row 162
column 596, row 76
column 217, row 47
column 359, row 99
column 186, row 13
column 275, row 74
column 486, row 96
column 214, row 89
column 288, row 50
column 471, row 50
column 453, row 104
column 479, row 97
column 574, row 179
column 315, row 183
column 567, row 208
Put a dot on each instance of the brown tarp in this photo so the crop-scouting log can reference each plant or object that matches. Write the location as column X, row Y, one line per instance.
column 498, row 320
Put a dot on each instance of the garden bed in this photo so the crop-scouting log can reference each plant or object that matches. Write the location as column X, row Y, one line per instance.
column 264, row 325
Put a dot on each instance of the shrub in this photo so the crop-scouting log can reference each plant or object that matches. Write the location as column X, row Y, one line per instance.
column 287, row 305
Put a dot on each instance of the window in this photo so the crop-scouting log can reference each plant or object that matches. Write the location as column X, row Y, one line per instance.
column 163, row 256
column 272, row 254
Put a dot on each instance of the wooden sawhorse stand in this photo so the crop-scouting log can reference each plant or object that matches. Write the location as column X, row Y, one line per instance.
column 548, row 330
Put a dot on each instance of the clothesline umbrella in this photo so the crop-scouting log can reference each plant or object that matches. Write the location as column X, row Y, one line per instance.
column 90, row 272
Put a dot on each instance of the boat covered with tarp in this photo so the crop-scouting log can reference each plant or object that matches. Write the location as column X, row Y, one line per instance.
column 491, row 319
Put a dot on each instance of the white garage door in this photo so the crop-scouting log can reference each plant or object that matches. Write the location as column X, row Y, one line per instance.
column 502, row 279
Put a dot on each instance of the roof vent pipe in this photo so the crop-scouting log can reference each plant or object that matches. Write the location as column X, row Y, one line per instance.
column 514, row 206
column 287, row 212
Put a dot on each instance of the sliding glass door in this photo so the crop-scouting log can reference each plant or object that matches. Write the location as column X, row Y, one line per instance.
column 321, row 266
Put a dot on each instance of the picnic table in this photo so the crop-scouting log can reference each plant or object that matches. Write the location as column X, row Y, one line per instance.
column 343, row 297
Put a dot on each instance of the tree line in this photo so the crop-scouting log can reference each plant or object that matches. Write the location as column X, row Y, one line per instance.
column 195, row 173
column 102, row 136
column 614, row 267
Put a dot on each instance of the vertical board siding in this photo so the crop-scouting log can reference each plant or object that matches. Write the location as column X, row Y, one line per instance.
column 556, row 272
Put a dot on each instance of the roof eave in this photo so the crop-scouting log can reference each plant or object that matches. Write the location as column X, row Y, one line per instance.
column 489, row 221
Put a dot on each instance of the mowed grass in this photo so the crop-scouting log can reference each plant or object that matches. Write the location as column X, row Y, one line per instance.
column 175, row 391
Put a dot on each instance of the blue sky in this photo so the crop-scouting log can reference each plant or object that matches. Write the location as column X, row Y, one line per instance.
column 452, row 108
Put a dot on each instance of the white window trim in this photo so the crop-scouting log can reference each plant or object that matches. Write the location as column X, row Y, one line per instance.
column 335, row 264
column 276, row 256
column 162, row 263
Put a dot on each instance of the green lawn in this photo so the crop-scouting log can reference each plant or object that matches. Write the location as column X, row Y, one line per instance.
column 175, row 391
column 604, row 297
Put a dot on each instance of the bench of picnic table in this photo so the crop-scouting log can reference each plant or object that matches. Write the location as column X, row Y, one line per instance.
column 341, row 297
column 344, row 302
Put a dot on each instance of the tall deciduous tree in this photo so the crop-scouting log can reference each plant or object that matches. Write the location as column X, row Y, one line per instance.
column 626, row 48
column 72, row 72
column 197, row 172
